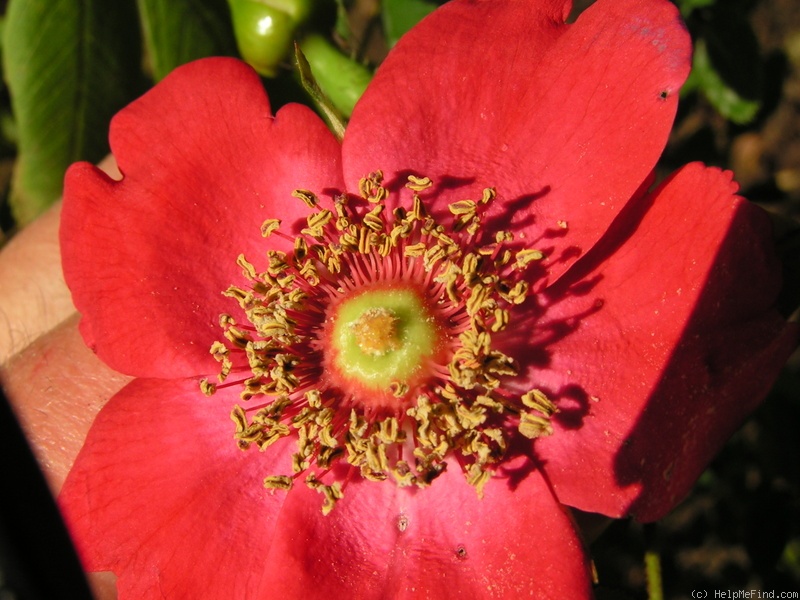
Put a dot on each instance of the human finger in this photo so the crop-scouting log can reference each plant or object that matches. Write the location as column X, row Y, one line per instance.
column 33, row 295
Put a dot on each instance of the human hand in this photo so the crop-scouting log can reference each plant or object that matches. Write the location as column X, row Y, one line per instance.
column 56, row 385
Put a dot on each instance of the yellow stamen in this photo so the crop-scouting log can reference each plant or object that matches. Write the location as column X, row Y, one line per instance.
column 467, row 414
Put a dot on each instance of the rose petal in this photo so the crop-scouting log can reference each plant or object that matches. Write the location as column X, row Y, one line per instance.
column 162, row 496
column 381, row 541
column 660, row 344
column 204, row 165
column 160, row 479
column 566, row 121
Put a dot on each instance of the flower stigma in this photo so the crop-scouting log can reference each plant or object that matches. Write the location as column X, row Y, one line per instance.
column 371, row 343
column 375, row 332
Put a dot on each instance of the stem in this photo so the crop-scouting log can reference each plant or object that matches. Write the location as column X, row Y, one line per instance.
column 652, row 564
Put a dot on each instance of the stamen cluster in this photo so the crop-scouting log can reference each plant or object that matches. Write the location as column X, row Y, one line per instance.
column 459, row 409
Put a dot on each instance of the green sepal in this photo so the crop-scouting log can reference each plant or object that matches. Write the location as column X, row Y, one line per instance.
column 341, row 79
column 332, row 116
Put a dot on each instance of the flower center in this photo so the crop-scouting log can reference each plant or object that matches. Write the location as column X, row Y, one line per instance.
column 372, row 343
column 382, row 336
column 375, row 334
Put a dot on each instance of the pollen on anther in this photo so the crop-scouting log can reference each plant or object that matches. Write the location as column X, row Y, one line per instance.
column 270, row 226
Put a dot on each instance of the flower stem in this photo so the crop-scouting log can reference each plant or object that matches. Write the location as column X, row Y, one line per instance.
column 652, row 564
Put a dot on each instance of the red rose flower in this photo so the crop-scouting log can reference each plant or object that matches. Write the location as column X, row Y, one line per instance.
column 471, row 313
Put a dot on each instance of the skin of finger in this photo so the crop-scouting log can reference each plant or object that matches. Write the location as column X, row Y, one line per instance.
column 56, row 387
column 33, row 295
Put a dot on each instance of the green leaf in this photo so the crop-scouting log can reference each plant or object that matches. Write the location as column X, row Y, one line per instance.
column 729, row 102
column 69, row 65
column 180, row 31
column 342, row 24
column 401, row 15
column 687, row 7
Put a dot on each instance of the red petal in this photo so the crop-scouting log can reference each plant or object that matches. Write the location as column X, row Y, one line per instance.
column 381, row 541
column 565, row 120
column 204, row 165
column 162, row 496
column 661, row 343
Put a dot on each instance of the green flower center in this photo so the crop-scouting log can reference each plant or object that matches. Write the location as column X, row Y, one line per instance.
column 381, row 337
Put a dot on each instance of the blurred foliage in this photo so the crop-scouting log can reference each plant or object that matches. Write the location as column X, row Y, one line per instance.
column 69, row 66
column 688, row 6
column 179, row 31
column 725, row 98
column 727, row 66
column 401, row 15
